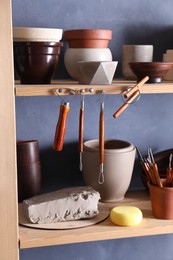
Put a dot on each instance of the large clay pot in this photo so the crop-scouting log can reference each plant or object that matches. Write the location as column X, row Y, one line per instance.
column 88, row 38
column 73, row 55
column 119, row 157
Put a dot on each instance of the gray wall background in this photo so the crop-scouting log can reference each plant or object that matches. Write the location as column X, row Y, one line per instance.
column 147, row 123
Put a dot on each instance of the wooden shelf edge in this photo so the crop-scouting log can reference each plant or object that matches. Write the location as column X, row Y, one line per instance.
column 117, row 87
column 103, row 231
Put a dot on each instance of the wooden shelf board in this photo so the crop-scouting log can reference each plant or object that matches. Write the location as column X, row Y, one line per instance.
column 117, row 87
column 103, row 231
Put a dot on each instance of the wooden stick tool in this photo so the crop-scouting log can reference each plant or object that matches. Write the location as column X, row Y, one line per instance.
column 101, row 139
column 81, row 128
column 136, row 87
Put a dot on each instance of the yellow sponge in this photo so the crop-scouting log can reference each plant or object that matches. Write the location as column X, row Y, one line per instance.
column 126, row 216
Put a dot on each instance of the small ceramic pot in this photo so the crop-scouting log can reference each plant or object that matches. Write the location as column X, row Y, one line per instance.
column 119, row 158
column 36, row 62
column 135, row 53
column 74, row 55
column 88, row 38
column 29, row 180
column 161, row 201
column 27, row 152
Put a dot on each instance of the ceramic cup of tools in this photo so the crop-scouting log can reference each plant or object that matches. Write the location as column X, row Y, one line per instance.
column 135, row 53
column 119, row 157
column 28, row 169
column 161, row 200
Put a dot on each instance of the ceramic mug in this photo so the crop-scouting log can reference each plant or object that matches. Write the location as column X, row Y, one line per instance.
column 135, row 53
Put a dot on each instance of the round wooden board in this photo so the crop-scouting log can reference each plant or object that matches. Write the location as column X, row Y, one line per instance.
column 103, row 214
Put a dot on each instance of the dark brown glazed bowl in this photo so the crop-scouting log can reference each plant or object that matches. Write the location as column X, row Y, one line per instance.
column 27, row 152
column 36, row 62
column 88, row 38
column 162, row 160
column 154, row 70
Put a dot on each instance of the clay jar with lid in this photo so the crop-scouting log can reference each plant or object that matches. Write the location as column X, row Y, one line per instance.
column 28, row 169
column 36, row 62
column 119, row 158
column 88, row 38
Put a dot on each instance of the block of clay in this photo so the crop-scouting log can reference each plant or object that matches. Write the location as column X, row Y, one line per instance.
column 63, row 205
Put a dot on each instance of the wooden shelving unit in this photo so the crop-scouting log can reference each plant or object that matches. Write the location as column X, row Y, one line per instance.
column 117, row 87
column 14, row 237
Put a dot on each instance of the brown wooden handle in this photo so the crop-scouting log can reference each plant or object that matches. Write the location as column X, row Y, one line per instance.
column 81, row 129
column 138, row 85
column 61, row 127
column 101, row 137
column 126, row 104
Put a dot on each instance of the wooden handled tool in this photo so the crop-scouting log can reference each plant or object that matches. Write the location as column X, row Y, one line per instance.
column 81, row 130
column 138, row 85
column 169, row 173
column 101, row 142
column 61, row 127
column 126, row 104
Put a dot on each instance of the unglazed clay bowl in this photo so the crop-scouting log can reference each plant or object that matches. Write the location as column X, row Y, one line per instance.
column 36, row 62
column 154, row 70
column 119, row 158
column 74, row 55
column 37, row 34
column 96, row 72
column 88, row 38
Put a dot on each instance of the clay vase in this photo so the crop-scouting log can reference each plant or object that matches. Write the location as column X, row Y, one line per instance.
column 88, row 38
column 119, row 158
column 161, row 201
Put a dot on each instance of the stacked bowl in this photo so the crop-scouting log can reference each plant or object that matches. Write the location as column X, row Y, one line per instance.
column 86, row 45
column 36, row 53
column 28, row 169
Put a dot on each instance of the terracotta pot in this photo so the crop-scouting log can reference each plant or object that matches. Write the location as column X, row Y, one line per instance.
column 36, row 62
column 119, row 157
column 161, row 201
column 88, row 38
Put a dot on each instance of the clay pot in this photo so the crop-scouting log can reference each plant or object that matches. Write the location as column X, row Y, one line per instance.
column 135, row 53
column 36, row 62
column 88, row 38
column 161, row 201
column 74, row 55
column 119, row 157
column 27, row 152
column 29, row 180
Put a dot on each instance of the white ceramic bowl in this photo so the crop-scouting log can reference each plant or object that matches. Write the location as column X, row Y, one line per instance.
column 73, row 55
column 37, row 34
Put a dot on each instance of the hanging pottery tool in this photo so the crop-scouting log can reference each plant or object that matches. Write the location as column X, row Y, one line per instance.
column 81, row 127
column 132, row 94
column 61, row 124
column 101, row 139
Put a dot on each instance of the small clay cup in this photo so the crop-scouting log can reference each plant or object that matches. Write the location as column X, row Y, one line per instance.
column 29, row 180
column 27, row 152
column 161, row 201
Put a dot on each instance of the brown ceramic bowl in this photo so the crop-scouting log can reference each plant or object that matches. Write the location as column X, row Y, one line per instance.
column 36, row 62
column 88, row 38
column 154, row 70
column 162, row 160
